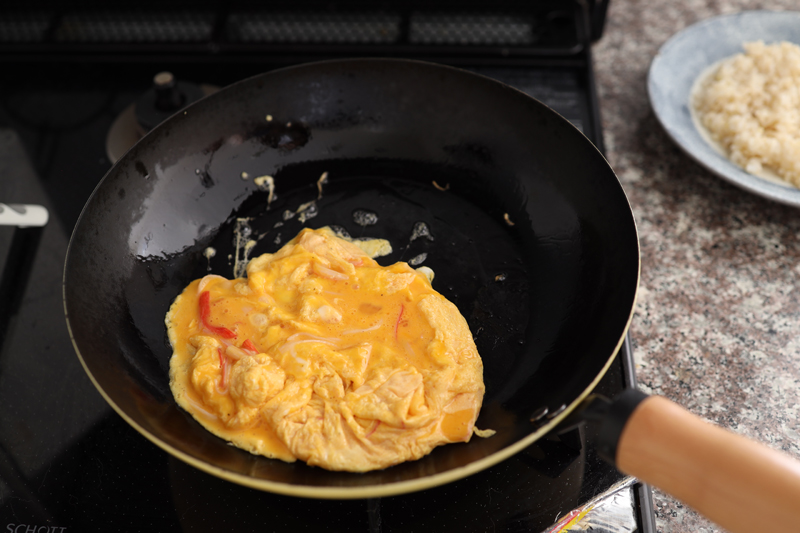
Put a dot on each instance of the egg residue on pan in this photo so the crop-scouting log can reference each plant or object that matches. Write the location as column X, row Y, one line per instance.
column 320, row 354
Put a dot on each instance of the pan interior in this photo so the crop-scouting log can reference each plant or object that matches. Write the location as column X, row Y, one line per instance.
column 522, row 221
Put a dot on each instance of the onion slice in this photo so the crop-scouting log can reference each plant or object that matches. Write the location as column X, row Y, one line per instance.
column 206, row 280
column 329, row 273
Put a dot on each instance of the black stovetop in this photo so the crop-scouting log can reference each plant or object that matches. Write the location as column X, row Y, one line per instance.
column 68, row 462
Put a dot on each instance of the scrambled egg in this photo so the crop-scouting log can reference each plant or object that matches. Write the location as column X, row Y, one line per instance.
column 323, row 355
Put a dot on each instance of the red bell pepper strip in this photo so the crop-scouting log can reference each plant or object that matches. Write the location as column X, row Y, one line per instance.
column 223, row 365
column 248, row 345
column 373, row 428
column 399, row 317
column 205, row 311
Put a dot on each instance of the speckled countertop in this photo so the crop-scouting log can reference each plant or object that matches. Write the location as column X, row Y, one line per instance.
column 717, row 324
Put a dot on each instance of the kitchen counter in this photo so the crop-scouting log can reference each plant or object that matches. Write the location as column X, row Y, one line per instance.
column 716, row 324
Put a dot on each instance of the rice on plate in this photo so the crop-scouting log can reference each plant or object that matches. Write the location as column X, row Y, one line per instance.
column 749, row 106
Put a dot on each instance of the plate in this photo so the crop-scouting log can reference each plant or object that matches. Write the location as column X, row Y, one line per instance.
column 685, row 56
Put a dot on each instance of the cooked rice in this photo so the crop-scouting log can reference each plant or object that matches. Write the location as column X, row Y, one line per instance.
column 750, row 105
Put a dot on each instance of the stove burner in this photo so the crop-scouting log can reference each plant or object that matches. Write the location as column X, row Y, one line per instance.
column 164, row 99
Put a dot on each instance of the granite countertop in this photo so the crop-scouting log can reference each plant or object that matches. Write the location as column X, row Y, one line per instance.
column 716, row 327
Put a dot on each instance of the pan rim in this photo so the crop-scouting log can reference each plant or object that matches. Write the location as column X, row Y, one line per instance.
column 374, row 490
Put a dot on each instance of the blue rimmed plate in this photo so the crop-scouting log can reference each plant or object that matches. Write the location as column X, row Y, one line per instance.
column 685, row 57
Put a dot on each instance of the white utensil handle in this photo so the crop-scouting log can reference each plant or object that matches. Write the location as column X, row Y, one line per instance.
column 23, row 215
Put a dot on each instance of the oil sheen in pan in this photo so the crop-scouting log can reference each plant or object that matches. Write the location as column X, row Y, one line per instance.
column 478, row 264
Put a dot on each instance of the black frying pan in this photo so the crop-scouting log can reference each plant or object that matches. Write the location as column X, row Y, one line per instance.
column 532, row 238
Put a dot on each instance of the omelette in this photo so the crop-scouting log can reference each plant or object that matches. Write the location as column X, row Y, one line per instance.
column 321, row 354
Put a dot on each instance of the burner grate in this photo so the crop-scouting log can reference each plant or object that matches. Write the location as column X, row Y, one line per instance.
column 24, row 27
column 135, row 27
column 300, row 27
column 546, row 28
column 470, row 29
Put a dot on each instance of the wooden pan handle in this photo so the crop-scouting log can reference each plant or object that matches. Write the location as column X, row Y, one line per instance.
column 739, row 484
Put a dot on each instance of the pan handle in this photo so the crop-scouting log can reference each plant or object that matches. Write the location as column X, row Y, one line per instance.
column 738, row 483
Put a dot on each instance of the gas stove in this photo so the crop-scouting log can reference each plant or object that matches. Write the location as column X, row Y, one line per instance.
column 82, row 85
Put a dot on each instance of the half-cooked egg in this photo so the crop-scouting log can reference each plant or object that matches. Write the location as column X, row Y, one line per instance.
column 321, row 354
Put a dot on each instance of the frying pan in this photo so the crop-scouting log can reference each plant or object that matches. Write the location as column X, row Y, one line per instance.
column 530, row 235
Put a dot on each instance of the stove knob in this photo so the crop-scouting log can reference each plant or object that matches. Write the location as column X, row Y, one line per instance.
column 166, row 97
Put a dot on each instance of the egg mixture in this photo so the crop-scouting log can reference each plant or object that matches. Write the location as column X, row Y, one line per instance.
column 321, row 354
